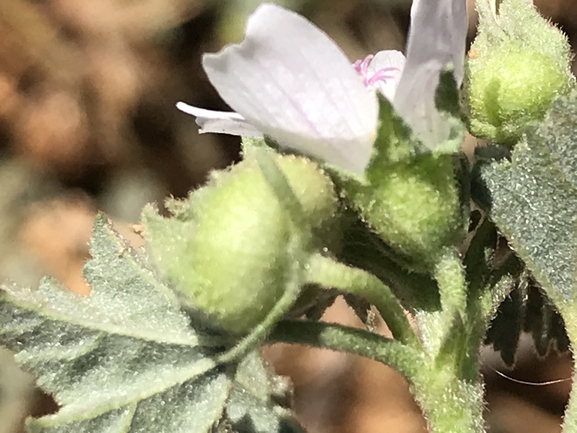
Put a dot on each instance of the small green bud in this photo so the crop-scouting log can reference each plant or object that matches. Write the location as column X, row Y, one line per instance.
column 509, row 88
column 414, row 206
column 226, row 248
column 518, row 63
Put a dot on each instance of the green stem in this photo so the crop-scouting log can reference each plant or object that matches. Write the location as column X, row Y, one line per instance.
column 450, row 404
column 363, row 249
column 450, row 276
column 449, row 390
column 327, row 272
column 404, row 359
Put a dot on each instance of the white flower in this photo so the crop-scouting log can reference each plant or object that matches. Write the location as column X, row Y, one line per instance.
column 220, row 122
column 288, row 80
column 437, row 38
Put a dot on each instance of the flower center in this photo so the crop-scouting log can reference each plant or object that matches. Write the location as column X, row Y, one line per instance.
column 370, row 78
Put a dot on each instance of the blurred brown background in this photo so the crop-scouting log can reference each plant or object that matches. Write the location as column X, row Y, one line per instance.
column 87, row 123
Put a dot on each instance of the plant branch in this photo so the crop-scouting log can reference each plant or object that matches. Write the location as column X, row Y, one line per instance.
column 329, row 273
column 404, row 359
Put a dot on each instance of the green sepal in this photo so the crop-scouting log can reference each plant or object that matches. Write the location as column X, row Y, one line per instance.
column 249, row 144
column 519, row 21
column 448, row 102
column 414, row 198
column 282, row 189
column 447, row 96
column 395, row 142
column 415, row 206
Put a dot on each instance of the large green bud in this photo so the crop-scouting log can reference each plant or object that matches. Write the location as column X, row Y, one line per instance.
column 228, row 247
column 414, row 205
column 510, row 87
column 517, row 65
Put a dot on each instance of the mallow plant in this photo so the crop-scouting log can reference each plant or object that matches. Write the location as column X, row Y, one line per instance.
column 352, row 182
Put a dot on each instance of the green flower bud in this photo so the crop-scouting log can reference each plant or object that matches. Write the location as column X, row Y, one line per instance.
column 226, row 247
column 414, row 206
column 518, row 63
column 509, row 87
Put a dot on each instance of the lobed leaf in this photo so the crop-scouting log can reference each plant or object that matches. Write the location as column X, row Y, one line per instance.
column 127, row 358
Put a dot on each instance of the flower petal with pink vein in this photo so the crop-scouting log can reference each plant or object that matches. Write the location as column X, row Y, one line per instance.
column 288, row 79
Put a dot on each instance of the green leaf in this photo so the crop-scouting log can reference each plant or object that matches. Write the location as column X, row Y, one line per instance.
column 491, row 272
column 505, row 329
column 543, row 322
column 253, row 404
column 247, row 413
column 125, row 359
column 533, row 199
column 258, row 400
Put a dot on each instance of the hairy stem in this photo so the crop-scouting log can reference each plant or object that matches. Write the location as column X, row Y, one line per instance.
column 404, row 359
column 330, row 273
column 450, row 404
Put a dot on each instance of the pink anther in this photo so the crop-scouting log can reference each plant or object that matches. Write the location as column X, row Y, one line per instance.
column 362, row 66
column 382, row 75
column 370, row 79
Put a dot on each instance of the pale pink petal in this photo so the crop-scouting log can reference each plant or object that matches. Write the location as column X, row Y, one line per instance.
column 220, row 122
column 292, row 82
column 437, row 38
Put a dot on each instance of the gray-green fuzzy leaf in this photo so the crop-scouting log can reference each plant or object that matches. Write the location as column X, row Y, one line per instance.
column 534, row 199
column 255, row 403
column 124, row 359
column 127, row 359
